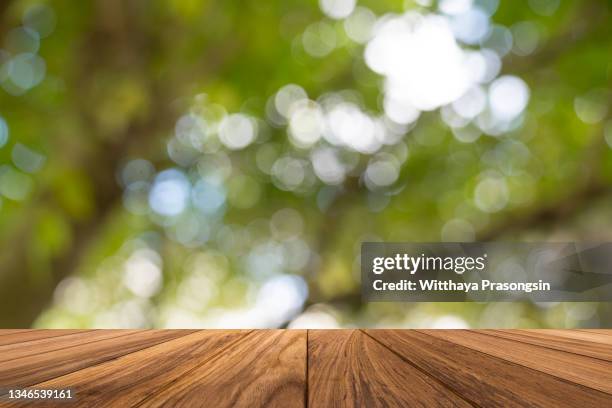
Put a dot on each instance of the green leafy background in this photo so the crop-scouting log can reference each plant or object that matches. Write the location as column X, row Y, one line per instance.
column 81, row 247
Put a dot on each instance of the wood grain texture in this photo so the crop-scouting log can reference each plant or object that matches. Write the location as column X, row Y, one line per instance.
column 486, row 380
column 38, row 367
column 19, row 336
column 47, row 345
column 316, row 368
column 265, row 369
column 605, row 332
column 594, row 345
column 128, row 380
column 346, row 368
column 588, row 371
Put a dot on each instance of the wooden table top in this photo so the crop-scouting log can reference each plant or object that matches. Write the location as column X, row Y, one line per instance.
column 316, row 368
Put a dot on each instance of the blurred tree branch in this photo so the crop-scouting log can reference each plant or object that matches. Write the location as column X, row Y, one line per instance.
column 550, row 214
column 591, row 17
column 4, row 6
column 327, row 234
column 124, row 47
column 98, row 164
column 593, row 186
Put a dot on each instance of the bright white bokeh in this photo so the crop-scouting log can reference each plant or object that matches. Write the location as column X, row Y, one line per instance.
column 423, row 65
column 306, row 124
column 170, row 193
column 399, row 111
column 142, row 273
column 508, row 97
column 448, row 322
column 471, row 104
column 351, row 127
column 277, row 301
column 471, row 26
column 237, row 131
column 327, row 165
column 454, row 6
column 337, row 9
column 286, row 97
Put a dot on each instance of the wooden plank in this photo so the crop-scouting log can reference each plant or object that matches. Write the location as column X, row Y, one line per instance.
column 348, row 368
column 484, row 379
column 588, row 371
column 13, row 331
column 266, row 369
column 585, row 344
column 128, row 380
column 46, row 345
column 605, row 332
column 40, row 367
column 336, row 368
column 595, row 336
column 30, row 335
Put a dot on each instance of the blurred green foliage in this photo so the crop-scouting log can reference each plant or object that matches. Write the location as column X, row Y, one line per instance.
column 148, row 179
